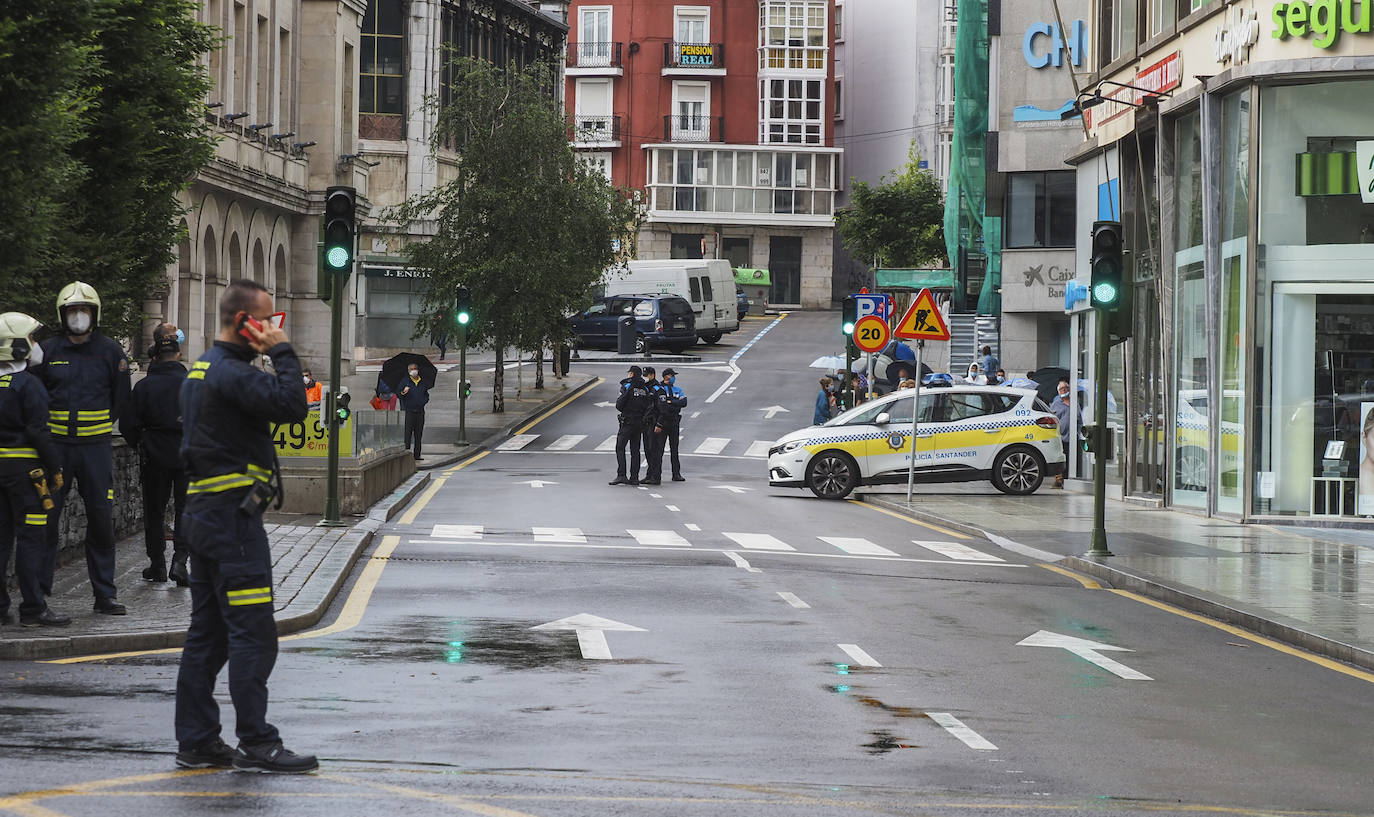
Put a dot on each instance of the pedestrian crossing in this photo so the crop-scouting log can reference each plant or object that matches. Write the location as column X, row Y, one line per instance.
column 914, row 549
column 563, row 443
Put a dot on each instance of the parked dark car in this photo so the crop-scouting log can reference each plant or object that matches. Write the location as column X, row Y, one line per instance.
column 661, row 321
column 741, row 302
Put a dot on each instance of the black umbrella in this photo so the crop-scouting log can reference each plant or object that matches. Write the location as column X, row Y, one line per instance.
column 1047, row 381
column 909, row 365
column 394, row 370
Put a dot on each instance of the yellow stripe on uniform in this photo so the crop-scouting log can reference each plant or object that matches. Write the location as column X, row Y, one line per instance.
column 59, row 414
column 93, row 414
column 110, row 494
column 35, row 519
column 198, row 374
column 18, row 454
column 91, row 431
column 252, row 591
column 254, row 595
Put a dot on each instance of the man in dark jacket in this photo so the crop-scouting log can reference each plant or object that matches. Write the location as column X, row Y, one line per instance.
column 653, row 452
column 414, row 397
column 228, row 407
column 87, row 377
column 637, row 409
column 671, row 402
column 152, row 425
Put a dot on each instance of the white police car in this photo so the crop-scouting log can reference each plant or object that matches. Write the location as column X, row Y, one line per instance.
column 964, row 434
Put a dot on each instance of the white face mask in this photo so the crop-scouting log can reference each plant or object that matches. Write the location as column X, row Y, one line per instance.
column 78, row 321
column 306, row 378
column 414, row 372
column 35, row 354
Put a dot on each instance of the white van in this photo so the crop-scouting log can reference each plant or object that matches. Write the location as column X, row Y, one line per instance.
column 708, row 284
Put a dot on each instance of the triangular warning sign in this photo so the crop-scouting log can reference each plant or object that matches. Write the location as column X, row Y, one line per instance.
column 922, row 320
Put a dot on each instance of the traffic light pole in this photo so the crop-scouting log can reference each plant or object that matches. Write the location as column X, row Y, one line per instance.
column 463, row 388
column 1099, row 538
column 329, row 416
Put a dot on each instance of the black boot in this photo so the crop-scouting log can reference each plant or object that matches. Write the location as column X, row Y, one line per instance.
column 156, row 571
column 177, row 572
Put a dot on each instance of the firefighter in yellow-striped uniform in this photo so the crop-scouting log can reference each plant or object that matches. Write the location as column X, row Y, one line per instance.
column 87, row 377
column 28, row 462
column 227, row 411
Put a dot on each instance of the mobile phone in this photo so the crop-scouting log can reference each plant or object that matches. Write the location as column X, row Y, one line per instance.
column 248, row 320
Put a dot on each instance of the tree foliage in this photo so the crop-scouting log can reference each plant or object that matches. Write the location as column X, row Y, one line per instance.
column 523, row 223
column 102, row 129
column 898, row 223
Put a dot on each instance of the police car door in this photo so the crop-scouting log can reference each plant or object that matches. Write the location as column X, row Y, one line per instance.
column 973, row 434
column 888, row 454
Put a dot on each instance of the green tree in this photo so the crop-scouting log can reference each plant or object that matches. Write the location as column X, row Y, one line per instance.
column 898, row 223
column 523, row 223
column 122, row 132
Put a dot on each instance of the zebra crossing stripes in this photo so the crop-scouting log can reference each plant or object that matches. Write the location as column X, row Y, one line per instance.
column 607, row 444
column 517, row 442
column 568, row 535
column 958, row 552
column 660, row 538
column 857, row 547
column 457, row 532
column 758, row 448
column 566, row 442
column 712, row 445
column 758, row 541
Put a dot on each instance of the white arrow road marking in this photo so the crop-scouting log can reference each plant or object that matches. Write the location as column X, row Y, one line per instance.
column 740, row 561
column 758, row 448
column 954, row 550
column 536, row 483
column 857, row 547
column 566, row 442
column 1087, row 650
column 712, row 445
column 792, row 599
column 457, row 532
column 517, row 442
column 860, row 657
column 573, row 535
column 758, row 541
column 957, row 728
column 772, row 411
column 607, row 444
column 660, row 538
column 734, row 489
column 591, row 633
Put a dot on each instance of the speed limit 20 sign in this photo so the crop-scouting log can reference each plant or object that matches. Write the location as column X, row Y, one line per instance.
column 871, row 334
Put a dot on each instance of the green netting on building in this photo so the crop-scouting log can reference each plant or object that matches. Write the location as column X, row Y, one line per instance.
column 913, row 279
column 965, row 198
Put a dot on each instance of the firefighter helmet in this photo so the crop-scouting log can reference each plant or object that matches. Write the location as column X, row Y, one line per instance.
column 16, row 335
column 78, row 293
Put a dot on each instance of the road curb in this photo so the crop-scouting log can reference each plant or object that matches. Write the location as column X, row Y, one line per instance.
column 331, row 573
column 1262, row 622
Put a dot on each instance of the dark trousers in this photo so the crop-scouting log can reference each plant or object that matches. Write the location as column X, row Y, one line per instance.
column 653, row 453
column 22, row 522
column 629, row 435
column 91, row 466
column 669, row 437
column 159, row 485
column 415, row 427
column 231, row 621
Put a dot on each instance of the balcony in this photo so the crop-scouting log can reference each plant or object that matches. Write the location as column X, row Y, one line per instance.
column 684, row 128
column 595, row 59
column 693, row 59
column 594, row 131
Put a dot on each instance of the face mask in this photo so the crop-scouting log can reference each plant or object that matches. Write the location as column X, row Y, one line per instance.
column 414, row 372
column 79, row 322
column 306, row 378
column 181, row 337
column 35, row 354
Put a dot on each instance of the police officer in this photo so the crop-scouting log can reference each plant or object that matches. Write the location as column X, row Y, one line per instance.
column 653, row 452
column 636, row 408
column 671, row 402
column 152, row 424
column 87, row 377
column 25, row 447
column 227, row 410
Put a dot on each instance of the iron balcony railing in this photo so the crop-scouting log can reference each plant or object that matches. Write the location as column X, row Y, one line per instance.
column 594, row 55
column 687, row 128
column 594, row 129
column 693, row 55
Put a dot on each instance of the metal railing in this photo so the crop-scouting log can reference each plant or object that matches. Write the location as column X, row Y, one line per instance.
column 594, row 55
column 594, row 129
column 688, row 128
column 693, row 55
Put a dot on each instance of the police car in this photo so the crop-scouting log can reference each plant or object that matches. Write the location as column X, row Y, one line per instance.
column 963, row 433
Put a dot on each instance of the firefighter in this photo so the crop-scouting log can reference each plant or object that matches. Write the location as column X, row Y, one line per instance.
column 152, row 424
column 87, row 377
column 228, row 407
column 28, row 462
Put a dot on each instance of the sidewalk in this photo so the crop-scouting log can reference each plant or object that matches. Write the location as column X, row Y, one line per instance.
column 310, row 563
column 1310, row 587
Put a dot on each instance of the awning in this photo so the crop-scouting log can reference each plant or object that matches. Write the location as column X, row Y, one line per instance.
column 752, row 277
column 914, row 279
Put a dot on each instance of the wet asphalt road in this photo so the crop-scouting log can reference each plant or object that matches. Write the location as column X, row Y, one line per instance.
column 744, row 689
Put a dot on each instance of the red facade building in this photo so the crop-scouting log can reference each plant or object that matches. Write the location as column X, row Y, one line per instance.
column 722, row 112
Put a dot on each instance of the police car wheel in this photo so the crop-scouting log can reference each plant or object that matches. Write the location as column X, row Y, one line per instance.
column 1018, row 471
column 832, row 475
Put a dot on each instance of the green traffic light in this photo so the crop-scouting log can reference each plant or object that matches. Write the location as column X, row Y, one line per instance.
column 336, row 257
column 463, row 318
column 1104, row 292
column 849, row 328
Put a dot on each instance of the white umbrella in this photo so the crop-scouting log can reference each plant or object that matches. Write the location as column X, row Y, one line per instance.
column 830, row 363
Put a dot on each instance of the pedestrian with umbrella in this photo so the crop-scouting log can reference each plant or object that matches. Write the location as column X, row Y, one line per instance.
column 411, row 378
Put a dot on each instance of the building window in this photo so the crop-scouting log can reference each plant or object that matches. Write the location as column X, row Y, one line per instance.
column 839, row 98
column 594, row 36
column 598, row 161
column 691, row 112
column 791, row 111
column 839, row 22
column 593, row 110
column 693, row 24
column 741, row 181
column 381, row 89
column 1040, row 209
column 792, row 34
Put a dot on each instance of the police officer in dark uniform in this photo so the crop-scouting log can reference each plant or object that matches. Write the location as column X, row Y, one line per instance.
column 636, row 407
column 227, row 409
column 26, row 447
column 87, row 377
column 653, row 452
column 671, row 402
column 152, row 424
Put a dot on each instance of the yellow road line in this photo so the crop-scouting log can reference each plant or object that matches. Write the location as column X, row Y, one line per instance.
column 356, row 605
column 1083, row 580
column 1249, row 636
column 896, row 515
column 465, row 463
column 546, row 415
column 25, row 803
column 414, row 510
column 462, row 803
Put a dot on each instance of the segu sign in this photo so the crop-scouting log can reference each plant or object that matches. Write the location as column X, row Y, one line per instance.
column 1324, row 20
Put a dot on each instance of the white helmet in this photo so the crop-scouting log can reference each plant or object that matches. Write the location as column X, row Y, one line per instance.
column 16, row 336
column 78, row 293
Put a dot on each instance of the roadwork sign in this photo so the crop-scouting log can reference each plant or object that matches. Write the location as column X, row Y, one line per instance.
column 922, row 320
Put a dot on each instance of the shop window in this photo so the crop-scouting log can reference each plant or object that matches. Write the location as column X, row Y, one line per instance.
column 381, row 71
column 687, row 245
column 1040, row 210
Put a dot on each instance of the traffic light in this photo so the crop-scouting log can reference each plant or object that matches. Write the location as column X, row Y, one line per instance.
column 1098, row 439
column 467, row 389
column 1106, row 289
column 462, row 306
column 340, row 228
column 849, row 314
column 341, row 410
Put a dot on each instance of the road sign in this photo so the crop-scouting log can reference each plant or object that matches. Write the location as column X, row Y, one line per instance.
column 923, row 320
column 872, row 305
column 871, row 334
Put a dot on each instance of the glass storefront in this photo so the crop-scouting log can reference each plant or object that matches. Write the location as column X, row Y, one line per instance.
column 1190, row 321
column 1235, row 220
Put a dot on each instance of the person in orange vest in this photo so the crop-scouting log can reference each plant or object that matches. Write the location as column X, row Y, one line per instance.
column 314, row 392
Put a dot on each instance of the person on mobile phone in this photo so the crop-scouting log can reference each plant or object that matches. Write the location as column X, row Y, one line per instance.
column 228, row 408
